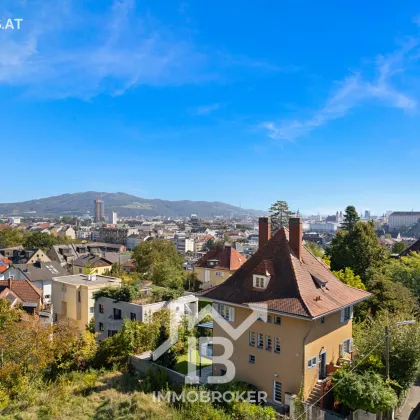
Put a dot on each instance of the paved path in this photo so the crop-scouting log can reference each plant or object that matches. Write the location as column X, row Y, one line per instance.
column 411, row 409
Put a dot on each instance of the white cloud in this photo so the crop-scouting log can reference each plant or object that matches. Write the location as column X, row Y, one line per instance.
column 206, row 109
column 108, row 54
column 63, row 50
column 353, row 91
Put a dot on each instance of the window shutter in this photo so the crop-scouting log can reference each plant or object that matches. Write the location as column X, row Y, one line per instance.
column 231, row 314
column 351, row 312
column 351, row 345
column 342, row 316
column 341, row 350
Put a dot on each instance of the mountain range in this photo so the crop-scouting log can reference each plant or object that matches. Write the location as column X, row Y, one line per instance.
column 125, row 205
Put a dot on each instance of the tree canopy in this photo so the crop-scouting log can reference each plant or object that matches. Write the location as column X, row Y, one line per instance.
column 357, row 249
column 159, row 262
column 10, row 237
column 404, row 354
column 280, row 215
column 398, row 247
column 366, row 391
column 350, row 218
column 315, row 249
column 39, row 240
column 403, row 270
column 348, row 277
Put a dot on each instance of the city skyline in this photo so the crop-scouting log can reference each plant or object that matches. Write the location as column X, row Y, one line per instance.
column 314, row 105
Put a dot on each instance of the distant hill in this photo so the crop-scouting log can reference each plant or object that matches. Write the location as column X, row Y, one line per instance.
column 124, row 204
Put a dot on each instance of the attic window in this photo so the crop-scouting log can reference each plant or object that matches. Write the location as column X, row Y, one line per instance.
column 319, row 283
column 212, row 263
column 260, row 282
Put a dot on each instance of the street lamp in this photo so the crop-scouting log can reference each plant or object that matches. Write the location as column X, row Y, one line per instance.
column 412, row 321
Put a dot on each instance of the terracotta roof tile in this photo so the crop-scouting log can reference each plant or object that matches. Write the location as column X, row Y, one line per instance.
column 229, row 258
column 300, row 287
column 24, row 289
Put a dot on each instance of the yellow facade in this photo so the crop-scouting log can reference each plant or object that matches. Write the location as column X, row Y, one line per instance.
column 300, row 340
column 94, row 270
column 213, row 277
column 38, row 255
column 75, row 301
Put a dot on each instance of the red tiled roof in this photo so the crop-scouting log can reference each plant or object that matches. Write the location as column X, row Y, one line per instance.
column 229, row 258
column 4, row 263
column 295, row 286
column 24, row 289
column 10, row 296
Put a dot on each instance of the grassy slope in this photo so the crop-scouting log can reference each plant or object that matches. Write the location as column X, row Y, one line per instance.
column 111, row 396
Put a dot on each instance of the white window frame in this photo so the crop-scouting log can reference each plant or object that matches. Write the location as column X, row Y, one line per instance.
column 260, row 341
column 268, row 347
column 252, row 339
column 277, row 341
column 226, row 312
column 260, row 281
column 279, row 318
column 312, row 362
column 346, row 317
column 251, row 359
column 274, row 391
column 219, row 274
column 348, row 346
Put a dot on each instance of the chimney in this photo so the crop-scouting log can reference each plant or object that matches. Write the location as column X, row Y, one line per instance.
column 264, row 231
column 295, row 236
column 10, row 283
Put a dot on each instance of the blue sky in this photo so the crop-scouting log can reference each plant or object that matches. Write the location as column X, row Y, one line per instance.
column 316, row 103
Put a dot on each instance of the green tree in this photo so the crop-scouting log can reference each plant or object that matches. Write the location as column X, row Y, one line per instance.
column 404, row 270
column 398, row 247
column 170, row 357
column 366, row 391
column 315, row 249
column 388, row 296
column 357, row 249
column 158, row 261
column 404, row 350
column 39, row 240
column 350, row 218
column 208, row 245
column 348, row 277
column 191, row 282
column 280, row 215
column 10, row 237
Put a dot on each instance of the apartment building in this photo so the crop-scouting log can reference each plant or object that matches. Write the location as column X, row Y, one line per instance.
column 110, row 314
column 399, row 219
column 115, row 235
column 307, row 329
column 183, row 244
column 217, row 265
column 72, row 296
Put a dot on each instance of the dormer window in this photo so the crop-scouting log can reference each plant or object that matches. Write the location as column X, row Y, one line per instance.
column 261, row 282
column 212, row 263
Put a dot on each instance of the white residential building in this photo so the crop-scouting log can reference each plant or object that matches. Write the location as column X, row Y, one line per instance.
column 322, row 227
column 14, row 220
column 110, row 314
